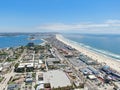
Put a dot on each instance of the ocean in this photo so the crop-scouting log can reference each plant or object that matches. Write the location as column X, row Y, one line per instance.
column 106, row 44
column 15, row 41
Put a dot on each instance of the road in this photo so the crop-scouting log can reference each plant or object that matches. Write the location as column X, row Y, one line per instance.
column 88, row 84
column 46, row 61
column 3, row 84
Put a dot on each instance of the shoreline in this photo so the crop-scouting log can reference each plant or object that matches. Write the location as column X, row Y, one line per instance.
column 100, row 58
column 22, row 40
column 44, row 41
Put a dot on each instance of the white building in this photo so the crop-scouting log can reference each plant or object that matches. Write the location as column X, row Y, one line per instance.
column 56, row 78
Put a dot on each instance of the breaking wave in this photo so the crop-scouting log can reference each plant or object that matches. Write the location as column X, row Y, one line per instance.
column 103, row 52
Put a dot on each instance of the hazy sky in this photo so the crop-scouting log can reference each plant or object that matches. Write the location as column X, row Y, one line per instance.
column 86, row 16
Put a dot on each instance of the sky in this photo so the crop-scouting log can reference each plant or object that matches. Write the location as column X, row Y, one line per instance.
column 68, row 16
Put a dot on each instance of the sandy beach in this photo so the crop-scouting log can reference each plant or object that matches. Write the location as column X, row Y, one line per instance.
column 113, row 63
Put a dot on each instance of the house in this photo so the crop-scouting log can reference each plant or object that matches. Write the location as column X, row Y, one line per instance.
column 13, row 87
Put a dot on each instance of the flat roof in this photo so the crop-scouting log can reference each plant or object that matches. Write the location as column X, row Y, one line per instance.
column 91, row 76
column 40, row 86
column 56, row 78
column 50, row 63
column 93, row 70
column 53, row 59
column 40, row 61
column 22, row 65
column 1, row 68
column 30, row 65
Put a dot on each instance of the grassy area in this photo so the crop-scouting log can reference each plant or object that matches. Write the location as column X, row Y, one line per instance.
column 35, row 86
column 10, row 60
column 33, row 75
column 1, row 78
column 3, row 53
column 16, row 65
column 27, row 84
column 11, row 82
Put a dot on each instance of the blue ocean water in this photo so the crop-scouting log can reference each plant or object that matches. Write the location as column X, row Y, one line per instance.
column 106, row 44
column 14, row 41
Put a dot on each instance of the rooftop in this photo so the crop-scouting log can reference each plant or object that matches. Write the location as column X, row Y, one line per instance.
column 56, row 78
column 22, row 65
column 53, row 59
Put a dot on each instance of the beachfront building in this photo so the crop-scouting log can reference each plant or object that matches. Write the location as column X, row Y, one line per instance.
column 94, row 71
column 87, row 60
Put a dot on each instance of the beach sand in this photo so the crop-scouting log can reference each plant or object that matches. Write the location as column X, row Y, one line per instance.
column 113, row 63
